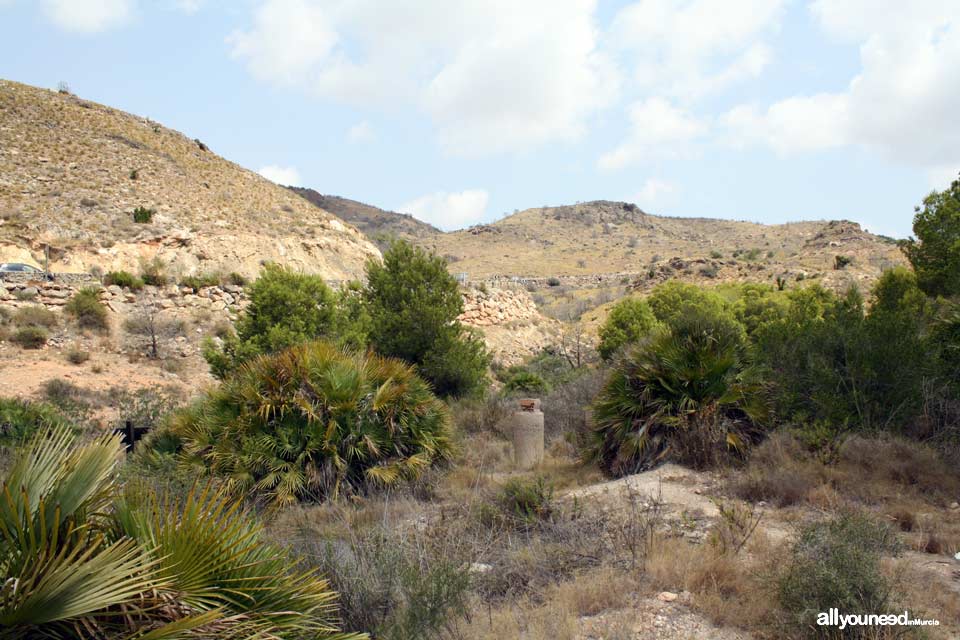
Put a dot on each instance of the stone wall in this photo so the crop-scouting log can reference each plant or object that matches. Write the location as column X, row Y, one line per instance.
column 483, row 308
column 19, row 291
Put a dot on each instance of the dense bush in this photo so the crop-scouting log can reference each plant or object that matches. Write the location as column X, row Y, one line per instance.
column 935, row 253
column 629, row 321
column 312, row 421
column 525, row 503
column 80, row 549
column 687, row 393
column 287, row 308
column 836, row 564
column 836, row 364
column 123, row 279
column 35, row 316
column 674, row 299
column 522, row 381
column 143, row 215
column 197, row 282
column 30, row 337
column 85, row 307
column 757, row 304
column 20, row 420
column 413, row 303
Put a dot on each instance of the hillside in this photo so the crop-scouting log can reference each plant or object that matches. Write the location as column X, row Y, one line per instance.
column 603, row 237
column 377, row 224
column 73, row 171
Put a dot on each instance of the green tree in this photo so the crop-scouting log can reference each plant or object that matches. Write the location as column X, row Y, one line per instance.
column 287, row 308
column 674, row 298
column 629, row 321
column 839, row 366
column 935, row 252
column 413, row 303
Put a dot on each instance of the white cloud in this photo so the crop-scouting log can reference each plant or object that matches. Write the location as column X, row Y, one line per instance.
column 691, row 48
column 654, row 192
column 904, row 100
column 493, row 75
column 286, row 176
column 657, row 129
column 449, row 210
column 361, row 133
column 88, row 16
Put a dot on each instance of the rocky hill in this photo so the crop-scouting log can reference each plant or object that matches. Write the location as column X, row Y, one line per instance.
column 377, row 224
column 617, row 239
column 72, row 172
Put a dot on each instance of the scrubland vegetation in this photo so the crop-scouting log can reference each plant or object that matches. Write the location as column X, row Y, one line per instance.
column 350, row 471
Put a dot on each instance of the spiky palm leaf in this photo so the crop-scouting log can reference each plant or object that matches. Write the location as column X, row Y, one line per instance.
column 57, row 564
column 77, row 561
column 684, row 392
column 311, row 420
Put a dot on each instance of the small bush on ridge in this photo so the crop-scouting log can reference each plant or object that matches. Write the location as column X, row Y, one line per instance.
column 85, row 307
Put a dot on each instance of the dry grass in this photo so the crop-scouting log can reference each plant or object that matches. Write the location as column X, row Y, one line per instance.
column 871, row 471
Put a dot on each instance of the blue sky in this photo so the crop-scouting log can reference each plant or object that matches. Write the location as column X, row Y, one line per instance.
column 459, row 111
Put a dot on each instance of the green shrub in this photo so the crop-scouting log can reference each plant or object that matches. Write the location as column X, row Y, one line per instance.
column 553, row 281
column 77, row 356
column 687, row 393
column 526, row 502
column 834, row 363
column 35, row 316
column 123, row 279
column 80, row 548
column 30, row 337
column 525, row 382
column 153, row 272
column 756, row 305
column 237, row 279
column 935, row 253
column 674, row 299
column 197, row 282
column 85, row 307
column 413, row 303
column 20, row 420
column 288, row 308
column 313, row 420
column 629, row 321
column 142, row 215
column 836, row 564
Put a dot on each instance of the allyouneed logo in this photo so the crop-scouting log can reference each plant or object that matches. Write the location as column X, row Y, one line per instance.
column 833, row 618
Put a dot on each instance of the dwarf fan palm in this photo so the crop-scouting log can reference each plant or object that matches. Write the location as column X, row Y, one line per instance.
column 311, row 420
column 78, row 559
column 686, row 393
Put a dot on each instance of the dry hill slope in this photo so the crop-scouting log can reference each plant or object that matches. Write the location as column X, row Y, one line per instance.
column 377, row 224
column 609, row 237
column 72, row 172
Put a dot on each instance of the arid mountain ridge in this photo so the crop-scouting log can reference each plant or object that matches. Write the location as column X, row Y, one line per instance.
column 73, row 171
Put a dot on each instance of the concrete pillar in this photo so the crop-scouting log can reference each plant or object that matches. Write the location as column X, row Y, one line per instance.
column 528, row 434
